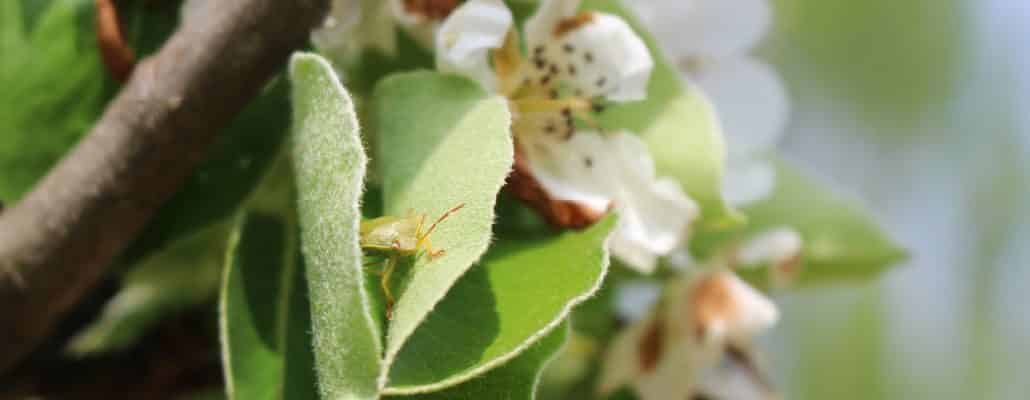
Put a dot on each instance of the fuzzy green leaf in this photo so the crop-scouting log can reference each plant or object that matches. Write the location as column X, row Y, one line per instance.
column 442, row 142
column 264, row 314
column 329, row 165
column 516, row 380
column 841, row 240
column 680, row 128
column 521, row 290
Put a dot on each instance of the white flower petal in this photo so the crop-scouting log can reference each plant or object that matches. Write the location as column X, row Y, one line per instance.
column 466, row 37
column 728, row 310
column 336, row 29
column 770, row 247
column 750, row 100
column 540, row 26
column 734, row 377
column 747, row 181
column 352, row 26
column 705, row 28
column 420, row 28
column 602, row 56
column 594, row 169
column 635, row 299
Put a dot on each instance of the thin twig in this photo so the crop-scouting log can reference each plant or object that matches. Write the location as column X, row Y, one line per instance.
column 61, row 237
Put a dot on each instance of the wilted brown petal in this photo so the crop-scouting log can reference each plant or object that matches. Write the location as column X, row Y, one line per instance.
column 433, row 10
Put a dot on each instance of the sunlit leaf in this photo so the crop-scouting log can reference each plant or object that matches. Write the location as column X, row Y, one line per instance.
column 442, row 141
column 519, row 292
column 516, row 380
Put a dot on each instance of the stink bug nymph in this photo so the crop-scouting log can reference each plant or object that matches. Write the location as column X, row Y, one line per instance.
column 394, row 237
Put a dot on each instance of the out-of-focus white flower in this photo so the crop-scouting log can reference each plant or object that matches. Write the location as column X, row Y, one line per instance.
column 634, row 300
column 778, row 249
column 421, row 18
column 697, row 338
column 575, row 63
column 711, row 41
column 352, row 26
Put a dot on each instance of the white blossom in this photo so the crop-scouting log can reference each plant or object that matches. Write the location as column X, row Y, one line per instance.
column 576, row 62
column 697, row 340
column 711, row 40
column 352, row 26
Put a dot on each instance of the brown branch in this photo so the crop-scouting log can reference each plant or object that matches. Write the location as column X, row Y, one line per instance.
column 61, row 237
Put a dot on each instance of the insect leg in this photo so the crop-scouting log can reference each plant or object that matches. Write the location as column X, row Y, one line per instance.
column 384, row 281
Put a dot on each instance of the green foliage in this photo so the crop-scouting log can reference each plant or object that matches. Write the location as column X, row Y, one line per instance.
column 680, row 128
column 329, row 165
column 516, row 380
column 264, row 317
column 842, row 241
column 442, row 142
column 893, row 58
column 183, row 275
column 54, row 86
column 519, row 292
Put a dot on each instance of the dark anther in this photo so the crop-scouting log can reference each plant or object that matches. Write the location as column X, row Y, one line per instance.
column 553, row 93
column 545, row 80
column 549, row 128
column 597, row 107
column 601, row 81
column 567, row 112
column 540, row 63
column 589, row 57
column 588, row 162
column 539, row 49
column 572, row 69
column 554, row 69
column 568, row 48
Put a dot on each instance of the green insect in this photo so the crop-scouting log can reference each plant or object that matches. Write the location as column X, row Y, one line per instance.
column 393, row 237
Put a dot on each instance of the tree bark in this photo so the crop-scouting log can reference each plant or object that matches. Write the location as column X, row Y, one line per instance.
column 57, row 242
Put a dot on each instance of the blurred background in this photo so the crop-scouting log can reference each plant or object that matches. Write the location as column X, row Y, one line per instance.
column 922, row 109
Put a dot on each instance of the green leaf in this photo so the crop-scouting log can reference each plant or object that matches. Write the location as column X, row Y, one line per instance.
column 442, row 142
column 329, row 164
column 680, row 128
column 185, row 274
column 520, row 292
column 54, row 86
column 264, row 314
column 841, row 240
column 516, row 380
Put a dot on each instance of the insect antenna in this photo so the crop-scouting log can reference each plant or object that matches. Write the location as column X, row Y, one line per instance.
column 439, row 220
